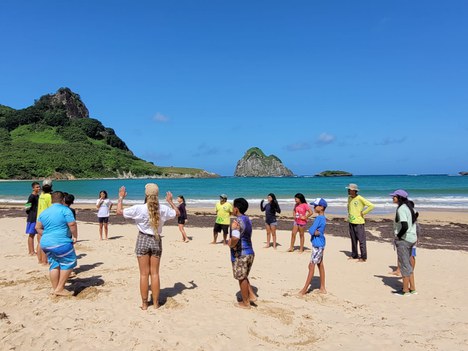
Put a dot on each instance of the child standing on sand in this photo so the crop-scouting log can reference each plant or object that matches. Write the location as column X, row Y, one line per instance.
column 242, row 253
column 301, row 212
column 104, row 205
column 317, row 233
column 182, row 218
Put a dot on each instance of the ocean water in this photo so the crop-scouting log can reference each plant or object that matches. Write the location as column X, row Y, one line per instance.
column 427, row 191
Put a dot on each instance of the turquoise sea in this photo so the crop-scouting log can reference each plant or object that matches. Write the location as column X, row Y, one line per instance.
column 427, row 191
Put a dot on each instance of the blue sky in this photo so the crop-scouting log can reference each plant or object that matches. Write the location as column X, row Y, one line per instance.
column 369, row 87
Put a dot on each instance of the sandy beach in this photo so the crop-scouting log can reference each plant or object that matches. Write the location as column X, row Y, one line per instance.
column 198, row 292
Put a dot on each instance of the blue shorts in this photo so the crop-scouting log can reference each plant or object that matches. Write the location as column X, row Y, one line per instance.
column 61, row 256
column 31, row 228
column 413, row 251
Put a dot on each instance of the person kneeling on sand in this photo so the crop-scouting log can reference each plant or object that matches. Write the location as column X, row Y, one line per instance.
column 317, row 233
column 242, row 253
column 59, row 233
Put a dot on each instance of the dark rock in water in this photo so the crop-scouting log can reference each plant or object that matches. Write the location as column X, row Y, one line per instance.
column 333, row 174
column 256, row 164
column 463, row 173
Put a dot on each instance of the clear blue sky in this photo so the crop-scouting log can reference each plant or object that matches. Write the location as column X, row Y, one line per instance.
column 370, row 87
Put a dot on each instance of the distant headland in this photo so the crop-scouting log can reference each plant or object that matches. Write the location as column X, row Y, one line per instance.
column 55, row 137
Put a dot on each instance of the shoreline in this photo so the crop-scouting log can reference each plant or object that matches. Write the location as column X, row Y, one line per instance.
column 433, row 216
column 439, row 230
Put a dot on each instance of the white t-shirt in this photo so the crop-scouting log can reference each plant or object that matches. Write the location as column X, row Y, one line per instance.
column 104, row 209
column 141, row 216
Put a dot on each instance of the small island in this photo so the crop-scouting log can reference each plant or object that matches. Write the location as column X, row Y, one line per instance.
column 333, row 174
column 463, row 173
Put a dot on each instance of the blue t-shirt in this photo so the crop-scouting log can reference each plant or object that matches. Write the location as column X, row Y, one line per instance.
column 320, row 223
column 55, row 221
column 244, row 245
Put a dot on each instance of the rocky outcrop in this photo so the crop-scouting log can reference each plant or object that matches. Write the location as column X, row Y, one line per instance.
column 256, row 164
column 333, row 174
column 463, row 173
column 65, row 99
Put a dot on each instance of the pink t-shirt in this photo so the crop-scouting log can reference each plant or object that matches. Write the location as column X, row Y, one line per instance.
column 300, row 211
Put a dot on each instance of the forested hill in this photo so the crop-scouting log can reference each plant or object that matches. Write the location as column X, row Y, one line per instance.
column 56, row 138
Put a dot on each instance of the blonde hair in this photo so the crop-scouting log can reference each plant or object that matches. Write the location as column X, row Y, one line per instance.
column 152, row 202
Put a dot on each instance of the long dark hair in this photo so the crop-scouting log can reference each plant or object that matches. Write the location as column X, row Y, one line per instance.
column 274, row 206
column 301, row 198
column 183, row 198
column 404, row 201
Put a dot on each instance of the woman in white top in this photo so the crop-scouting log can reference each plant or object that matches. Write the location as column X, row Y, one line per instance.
column 104, row 205
column 149, row 219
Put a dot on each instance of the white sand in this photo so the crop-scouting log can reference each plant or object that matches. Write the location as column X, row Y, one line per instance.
column 359, row 313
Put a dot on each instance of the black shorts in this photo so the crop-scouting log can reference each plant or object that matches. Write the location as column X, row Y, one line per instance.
column 218, row 227
column 103, row 219
column 180, row 220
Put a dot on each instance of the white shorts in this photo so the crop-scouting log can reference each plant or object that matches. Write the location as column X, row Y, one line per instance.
column 317, row 255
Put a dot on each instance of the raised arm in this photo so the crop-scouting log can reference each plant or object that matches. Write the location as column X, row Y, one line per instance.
column 122, row 195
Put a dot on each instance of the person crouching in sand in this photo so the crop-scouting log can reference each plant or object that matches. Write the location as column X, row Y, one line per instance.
column 242, row 253
column 149, row 219
column 59, row 233
column 317, row 233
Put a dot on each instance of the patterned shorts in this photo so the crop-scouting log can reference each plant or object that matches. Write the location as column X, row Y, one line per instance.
column 148, row 244
column 317, row 255
column 241, row 266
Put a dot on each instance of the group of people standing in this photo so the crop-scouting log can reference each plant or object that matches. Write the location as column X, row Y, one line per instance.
column 50, row 216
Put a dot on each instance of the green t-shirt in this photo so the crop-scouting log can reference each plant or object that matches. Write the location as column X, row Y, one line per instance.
column 404, row 215
column 357, row 205
column 223, row 213
column 45, row 201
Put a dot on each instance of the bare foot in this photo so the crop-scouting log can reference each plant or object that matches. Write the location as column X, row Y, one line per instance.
column 322, row 291
column 242, row 305
column 291, row 249
column 63, row 292
column 186, row 241
column 253, row 298
column 144, row 305
column 361, row 260
column 352, row 258
column 213, row 242
column 266, row 247
column 302, row 293
column 301, row 251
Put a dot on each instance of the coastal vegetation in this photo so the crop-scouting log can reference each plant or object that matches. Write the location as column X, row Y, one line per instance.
column 55, row 137
column 333, row 174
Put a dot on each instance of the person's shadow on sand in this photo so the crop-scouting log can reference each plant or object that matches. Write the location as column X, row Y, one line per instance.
column 86, row 267
column 79, row 284
column 347, row 253
column 393, row 282
column 177, row 289
column 239, row 295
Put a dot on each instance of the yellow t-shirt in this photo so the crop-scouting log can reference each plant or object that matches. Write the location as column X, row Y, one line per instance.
column 45, row 201
column 223, row 213
column 357, row 205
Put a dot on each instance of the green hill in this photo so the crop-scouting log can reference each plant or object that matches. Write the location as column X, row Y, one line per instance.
column 56, row 138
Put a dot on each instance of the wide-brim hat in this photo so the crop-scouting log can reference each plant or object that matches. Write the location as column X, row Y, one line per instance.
column 352, row 186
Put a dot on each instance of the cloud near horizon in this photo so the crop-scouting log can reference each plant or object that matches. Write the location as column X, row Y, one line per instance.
column 160, row 118
column 297, row 147
column 390, row 141
column 205, row 150
column 325, row 139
